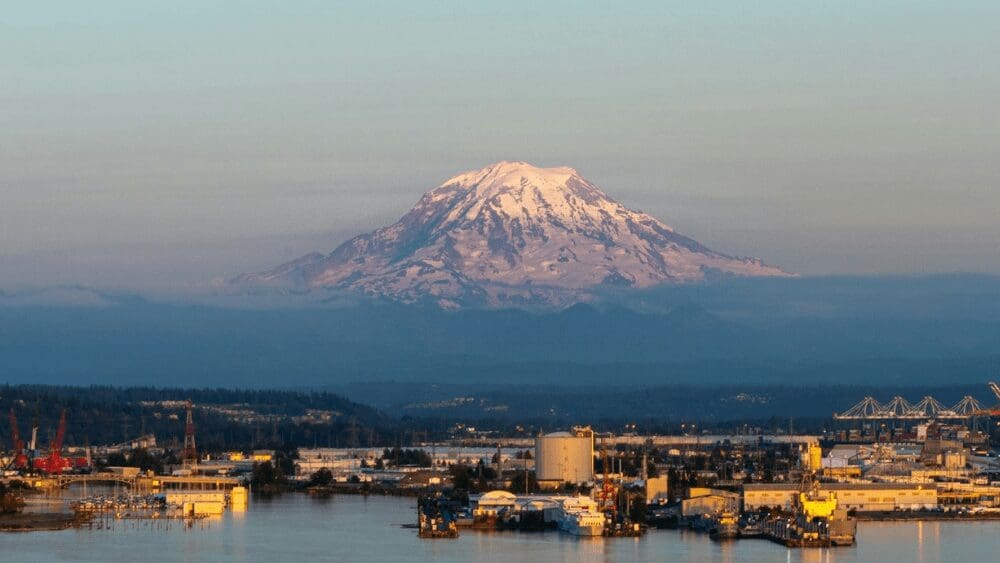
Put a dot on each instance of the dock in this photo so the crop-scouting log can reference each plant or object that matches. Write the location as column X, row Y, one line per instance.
column 139, row 483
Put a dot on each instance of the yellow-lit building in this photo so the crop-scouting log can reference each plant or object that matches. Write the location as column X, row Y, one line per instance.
column 969, row 494
column 704, row 501
column 811, row 458
column 261, row 455
column 842, row 472
column 863, row 497
column 656, row 488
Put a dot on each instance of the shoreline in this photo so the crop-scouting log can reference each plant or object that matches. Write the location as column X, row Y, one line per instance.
column 925, row 517
column 37, row 522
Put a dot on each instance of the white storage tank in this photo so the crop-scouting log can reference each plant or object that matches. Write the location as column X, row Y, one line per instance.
column 563, row 457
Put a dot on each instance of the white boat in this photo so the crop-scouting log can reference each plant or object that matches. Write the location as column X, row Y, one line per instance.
column 581, row 517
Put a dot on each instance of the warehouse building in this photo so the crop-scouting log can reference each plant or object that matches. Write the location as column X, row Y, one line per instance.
column 863, row 497
column 703, row 501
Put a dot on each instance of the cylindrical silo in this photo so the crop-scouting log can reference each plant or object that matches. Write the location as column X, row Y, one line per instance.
column 565, row 456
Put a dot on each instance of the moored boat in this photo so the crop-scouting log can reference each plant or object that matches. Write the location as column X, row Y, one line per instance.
column 581, row 517
column 724, row 526
column 436, row 519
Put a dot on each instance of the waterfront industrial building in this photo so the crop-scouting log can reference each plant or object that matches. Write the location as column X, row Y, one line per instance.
column 861, row 497
column 702, row 500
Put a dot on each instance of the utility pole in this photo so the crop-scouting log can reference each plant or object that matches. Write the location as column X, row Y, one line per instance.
column 500, row 464
column 190, row 451
column 86, row 444
column 525, row 457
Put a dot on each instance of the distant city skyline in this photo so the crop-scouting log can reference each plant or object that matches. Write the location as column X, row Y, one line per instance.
column 156, row 146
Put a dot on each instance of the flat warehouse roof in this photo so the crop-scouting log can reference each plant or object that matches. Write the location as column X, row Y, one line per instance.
column 839, row 487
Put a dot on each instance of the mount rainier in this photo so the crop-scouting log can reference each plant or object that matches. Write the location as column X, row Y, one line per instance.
column 506, row 235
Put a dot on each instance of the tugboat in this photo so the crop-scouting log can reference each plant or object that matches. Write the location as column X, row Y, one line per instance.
column 752, row 525
column 818, row 522
column 668, row 517
column 724, row 526
column 436, row 519
column 823, row 508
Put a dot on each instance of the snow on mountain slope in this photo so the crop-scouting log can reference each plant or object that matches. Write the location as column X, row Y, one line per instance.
column 511, row 234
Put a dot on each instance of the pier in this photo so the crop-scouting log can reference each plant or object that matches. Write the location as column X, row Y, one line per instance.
column 138, row 483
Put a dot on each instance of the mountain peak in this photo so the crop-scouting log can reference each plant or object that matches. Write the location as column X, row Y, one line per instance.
column 510, row 234
column 511, row 173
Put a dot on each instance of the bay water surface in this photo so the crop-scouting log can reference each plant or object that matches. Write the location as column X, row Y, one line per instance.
column 295, row 527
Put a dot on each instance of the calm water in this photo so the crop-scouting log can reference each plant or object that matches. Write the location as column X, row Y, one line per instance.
column 295, row 527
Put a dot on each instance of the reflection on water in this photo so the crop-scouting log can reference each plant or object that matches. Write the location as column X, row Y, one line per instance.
column 354, row 528
column 920, row 540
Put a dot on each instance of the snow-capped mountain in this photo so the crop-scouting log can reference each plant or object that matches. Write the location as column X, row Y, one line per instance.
column 510, row 234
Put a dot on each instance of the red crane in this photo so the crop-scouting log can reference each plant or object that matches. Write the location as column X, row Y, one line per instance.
column 20, row 459
column 607, row 495
column 55, row 462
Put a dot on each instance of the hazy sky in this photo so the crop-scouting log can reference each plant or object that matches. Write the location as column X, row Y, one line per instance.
column 144, row 146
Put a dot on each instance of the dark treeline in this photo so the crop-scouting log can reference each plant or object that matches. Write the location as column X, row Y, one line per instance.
column 270, row 419
column 107, row 415
column 531, row 426
column 665, row 405
column 265, row 401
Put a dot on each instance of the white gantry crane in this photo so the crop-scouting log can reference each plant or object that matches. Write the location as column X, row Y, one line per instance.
column 928, row 408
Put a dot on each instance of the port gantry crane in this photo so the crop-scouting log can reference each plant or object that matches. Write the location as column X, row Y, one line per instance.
column 899, row 408
column 995, row 409
column 928, row 408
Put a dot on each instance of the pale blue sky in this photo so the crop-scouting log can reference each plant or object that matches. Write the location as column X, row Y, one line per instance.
column 156, row 143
